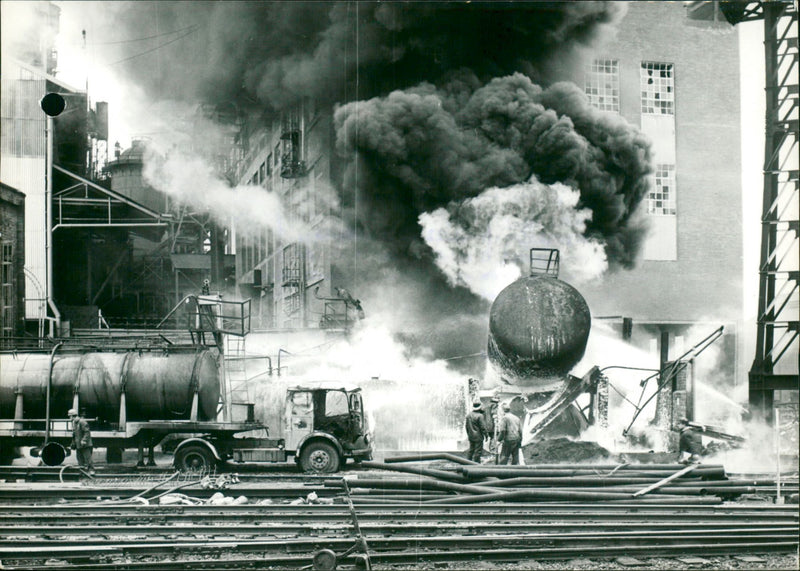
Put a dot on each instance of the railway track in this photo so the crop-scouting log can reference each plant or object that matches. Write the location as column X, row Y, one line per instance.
column 287, row 518
column 247, row 536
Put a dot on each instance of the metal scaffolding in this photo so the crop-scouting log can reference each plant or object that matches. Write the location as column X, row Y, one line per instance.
column 775, row 365
column 777, row 319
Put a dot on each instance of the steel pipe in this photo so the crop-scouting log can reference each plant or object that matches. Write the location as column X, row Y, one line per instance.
column 430, row 456
column 611, row 467
column 562, row 481
column 451, row 476
column 559, row 495
column 711, row 472
column 405, row 484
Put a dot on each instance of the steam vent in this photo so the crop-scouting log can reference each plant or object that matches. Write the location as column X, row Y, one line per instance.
column 538, row 328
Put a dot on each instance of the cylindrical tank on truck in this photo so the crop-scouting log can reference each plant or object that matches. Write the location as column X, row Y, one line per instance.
column 157, row 385
column 137, row 398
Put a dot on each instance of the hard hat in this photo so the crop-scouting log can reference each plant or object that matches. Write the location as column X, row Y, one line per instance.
column 72, row 412
column 476, row 405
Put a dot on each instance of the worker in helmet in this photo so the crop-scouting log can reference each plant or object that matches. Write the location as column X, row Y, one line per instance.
column 690, row 443
column 81, row 440
column 491, row 416
column 477, row 431
column 510, row 434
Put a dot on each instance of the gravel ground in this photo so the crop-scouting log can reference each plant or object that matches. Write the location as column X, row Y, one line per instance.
column 771, row 562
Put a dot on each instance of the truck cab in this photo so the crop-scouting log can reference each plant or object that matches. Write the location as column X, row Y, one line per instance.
column 321, row 424
column 324, row 424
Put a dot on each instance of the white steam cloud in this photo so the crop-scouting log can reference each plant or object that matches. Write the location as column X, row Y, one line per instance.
column 192, row 180
column 482, row 243
column 415, row 403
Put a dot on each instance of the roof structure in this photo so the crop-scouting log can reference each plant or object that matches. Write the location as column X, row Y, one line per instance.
column 86, row 204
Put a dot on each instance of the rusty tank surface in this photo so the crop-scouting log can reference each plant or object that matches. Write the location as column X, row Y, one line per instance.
column 538, row 329
column 157, row 384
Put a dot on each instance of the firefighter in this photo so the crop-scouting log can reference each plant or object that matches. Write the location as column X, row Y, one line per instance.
column 477, row 431
column 510, row 434
column 690, row 441
column 350, row 301
column 81, row 440
column 491, row 416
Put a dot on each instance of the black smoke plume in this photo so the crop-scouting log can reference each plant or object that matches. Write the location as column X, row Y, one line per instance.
column 275, row 52
column 436, row 103
column 427, row 147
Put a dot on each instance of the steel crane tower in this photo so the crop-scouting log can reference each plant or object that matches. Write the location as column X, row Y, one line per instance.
column 775, row 366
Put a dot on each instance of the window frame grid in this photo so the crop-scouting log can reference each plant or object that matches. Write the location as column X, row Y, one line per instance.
column 7, row 313
column 662, row 198
column 602, row 84
column 657, row 91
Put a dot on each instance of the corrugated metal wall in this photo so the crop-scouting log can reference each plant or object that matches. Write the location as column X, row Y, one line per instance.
column 22, row 165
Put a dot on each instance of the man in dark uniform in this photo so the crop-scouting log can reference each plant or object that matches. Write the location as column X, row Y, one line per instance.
column 477, row 431
column 81, row 440
column 690, row 441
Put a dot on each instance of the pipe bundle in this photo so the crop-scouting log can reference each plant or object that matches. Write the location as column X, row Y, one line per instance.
column 464, row 483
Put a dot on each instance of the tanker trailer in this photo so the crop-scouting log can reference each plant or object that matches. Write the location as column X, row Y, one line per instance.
column 137, row 398
column 133, row 397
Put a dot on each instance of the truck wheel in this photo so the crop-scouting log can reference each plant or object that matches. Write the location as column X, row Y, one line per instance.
column 195, row 458
column 7, row 455
column 319, row 457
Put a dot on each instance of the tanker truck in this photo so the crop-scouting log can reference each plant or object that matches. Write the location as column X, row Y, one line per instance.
column 140, row 397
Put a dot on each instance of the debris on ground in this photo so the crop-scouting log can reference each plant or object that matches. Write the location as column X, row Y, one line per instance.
column 563, row 450
column 176, row 499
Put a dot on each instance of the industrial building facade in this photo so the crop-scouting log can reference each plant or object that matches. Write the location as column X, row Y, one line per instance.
column 101, row 247
column 678, row 80
column 291, row 156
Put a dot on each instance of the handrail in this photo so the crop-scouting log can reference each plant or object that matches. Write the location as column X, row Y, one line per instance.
column 174, row 309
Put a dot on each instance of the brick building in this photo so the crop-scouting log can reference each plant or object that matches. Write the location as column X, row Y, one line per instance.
column 12, row 263
column 678, row 79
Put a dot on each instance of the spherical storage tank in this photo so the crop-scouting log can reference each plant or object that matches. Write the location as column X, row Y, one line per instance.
column 158, row 385
column 538, row 329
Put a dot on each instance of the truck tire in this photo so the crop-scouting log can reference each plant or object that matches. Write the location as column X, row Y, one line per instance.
column 7, row 455
column 319, row 457
column 195, row 458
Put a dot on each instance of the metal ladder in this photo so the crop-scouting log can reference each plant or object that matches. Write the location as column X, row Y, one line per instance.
column 236, row 370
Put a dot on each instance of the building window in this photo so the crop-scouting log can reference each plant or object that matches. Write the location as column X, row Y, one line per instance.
column 658, row 88
column 661, row 199
column 7, row 290
column 602, row 84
